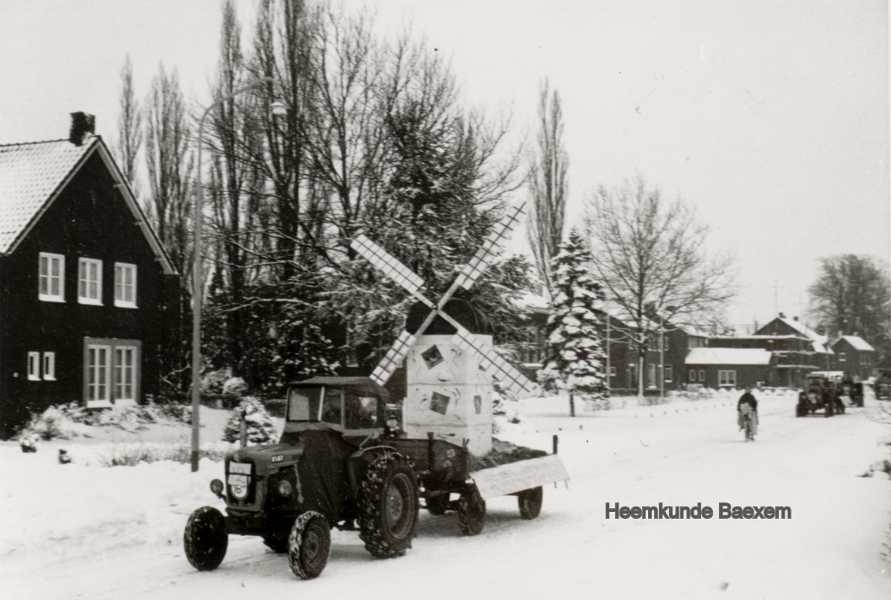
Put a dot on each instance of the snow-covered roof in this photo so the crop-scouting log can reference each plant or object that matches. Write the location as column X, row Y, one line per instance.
column 728, row 356
column 756, row 337
column 820, row 342
column 857, row 342
column 32, row 174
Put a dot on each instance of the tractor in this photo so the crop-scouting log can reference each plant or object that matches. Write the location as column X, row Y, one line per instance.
column 822, row 391
column 343, row 461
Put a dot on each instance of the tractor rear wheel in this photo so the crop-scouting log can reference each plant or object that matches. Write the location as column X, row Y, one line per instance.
column 309, row 544
column 438, row 504
column 529, row 502
column 205, row 539
column 388, row 505
column 471, row 512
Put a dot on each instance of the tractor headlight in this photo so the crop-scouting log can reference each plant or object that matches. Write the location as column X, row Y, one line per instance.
column 216, row 486
column 284, row 488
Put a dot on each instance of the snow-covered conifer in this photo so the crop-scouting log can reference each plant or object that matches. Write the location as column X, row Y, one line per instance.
column 575, row 358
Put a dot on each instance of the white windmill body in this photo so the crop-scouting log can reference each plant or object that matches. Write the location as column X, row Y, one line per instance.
column 449, row 376
column 448, row 393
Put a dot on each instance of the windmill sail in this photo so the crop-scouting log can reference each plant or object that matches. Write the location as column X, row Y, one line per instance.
column 513, row 381
column 490, row 250
column 393, row 358
column 389, row 265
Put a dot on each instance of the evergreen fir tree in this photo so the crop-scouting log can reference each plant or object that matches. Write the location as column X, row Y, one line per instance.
column 575, row 360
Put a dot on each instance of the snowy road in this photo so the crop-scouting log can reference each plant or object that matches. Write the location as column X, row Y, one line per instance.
column 683, row 454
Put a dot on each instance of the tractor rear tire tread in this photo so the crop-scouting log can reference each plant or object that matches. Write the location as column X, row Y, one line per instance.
column 380, row 540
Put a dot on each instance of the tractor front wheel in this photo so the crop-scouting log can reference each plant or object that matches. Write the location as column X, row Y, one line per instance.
column 471, row 512
column 205, row 539
column 388, row 505
column 529, row 502
column 309, row 544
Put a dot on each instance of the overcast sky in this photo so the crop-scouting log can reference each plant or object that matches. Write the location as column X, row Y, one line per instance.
column 770, row 117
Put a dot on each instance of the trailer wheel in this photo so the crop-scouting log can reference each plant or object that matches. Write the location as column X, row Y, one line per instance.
column 309, row 544
column 471, row 512
column 205, row 539
column 438, row 504
column 388, row 506
column 529, row 502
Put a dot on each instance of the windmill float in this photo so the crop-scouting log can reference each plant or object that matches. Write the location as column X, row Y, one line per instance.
column 449, row 376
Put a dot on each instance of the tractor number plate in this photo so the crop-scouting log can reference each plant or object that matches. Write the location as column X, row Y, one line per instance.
column 238, row 480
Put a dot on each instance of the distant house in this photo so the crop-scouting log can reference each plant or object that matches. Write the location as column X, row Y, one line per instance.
column 86, row 286
column 854, row 355
column 727, row 367
column 617, row 338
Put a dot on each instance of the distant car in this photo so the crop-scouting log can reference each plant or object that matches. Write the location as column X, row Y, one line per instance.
column 883, row 385
column 822, row 391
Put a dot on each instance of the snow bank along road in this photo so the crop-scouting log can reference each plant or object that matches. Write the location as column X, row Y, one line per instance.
column 88, row 532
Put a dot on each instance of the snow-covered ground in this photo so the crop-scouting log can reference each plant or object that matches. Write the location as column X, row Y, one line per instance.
column 79, row 531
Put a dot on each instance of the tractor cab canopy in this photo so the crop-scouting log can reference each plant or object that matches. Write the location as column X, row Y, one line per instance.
column 354, row 404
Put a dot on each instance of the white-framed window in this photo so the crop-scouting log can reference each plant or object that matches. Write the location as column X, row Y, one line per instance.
column 692, row 376
column 111, row 371
column 33, row 366
column 701, row 375
column 98, row 373
column 842, row 356
column 89, row 281
column 668, row 372
column 49, row 366
column 125, row 372
column 612, row 371
column 727, row 377
column 51, row 277
column 125, row 285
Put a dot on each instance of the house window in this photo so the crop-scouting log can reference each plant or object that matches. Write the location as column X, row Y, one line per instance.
column 692, row 376
column 98, row 373
column 125, row 372
column 701, row 375
column 34, row 366
column 842, row 357
column 651, row 375
column 727, row 378
column 89, row 281
column 125, row 285
column 612, row 371
column 111, row 371
column 668, row 373
column 49, row 366
column 51, row 277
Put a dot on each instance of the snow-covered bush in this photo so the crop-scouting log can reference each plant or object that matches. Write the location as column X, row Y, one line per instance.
column 575, row 360
column 121, row 455
column 235, row 387
column 72, row 420
column 258, row 422
column 213, row 381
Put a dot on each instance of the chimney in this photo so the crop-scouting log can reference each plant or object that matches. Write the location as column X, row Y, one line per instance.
column 83, row 125
column 795, row 318
column 782, row 315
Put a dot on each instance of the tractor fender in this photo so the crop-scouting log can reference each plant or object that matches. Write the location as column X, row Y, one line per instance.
column 357, row 463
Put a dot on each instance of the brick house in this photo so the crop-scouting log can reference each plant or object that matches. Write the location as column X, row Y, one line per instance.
column 87, row 290
column 728, row 367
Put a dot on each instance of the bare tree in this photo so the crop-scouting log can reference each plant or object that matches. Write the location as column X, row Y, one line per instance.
column 649, row 254
column 129, row 139
column 169, row 163
column 852, row 295
column 547, row 185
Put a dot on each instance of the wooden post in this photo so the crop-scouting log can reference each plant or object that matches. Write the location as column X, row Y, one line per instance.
column 242, row 428
column 571, row 404
column 555, row 442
